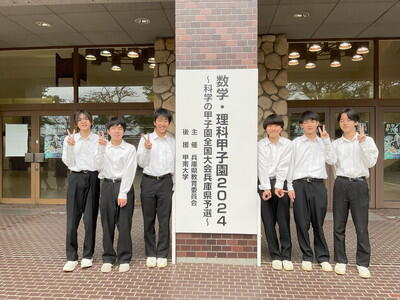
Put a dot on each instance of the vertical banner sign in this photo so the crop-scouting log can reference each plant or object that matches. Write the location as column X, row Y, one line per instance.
column 216, row 135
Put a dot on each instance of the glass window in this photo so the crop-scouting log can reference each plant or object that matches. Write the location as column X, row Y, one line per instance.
column 391, row 164
column 36, row 76
column 115, row 78
column 389, row 69
column 330, row 73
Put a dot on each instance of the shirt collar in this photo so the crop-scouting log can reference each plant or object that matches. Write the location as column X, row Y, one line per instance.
column 123, row 144
column 343, row 139
column 91, row 136
column 303, row 138
column 267, row 141
column 154, row 135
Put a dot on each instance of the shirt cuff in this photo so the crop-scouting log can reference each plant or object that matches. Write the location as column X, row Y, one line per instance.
column 123, row 196
column 264, row 187
column 290, row 186
column 279, row 184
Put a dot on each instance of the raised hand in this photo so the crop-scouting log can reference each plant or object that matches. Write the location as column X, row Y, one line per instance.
column 266, row 195
column 102, row 139
column 147, row 143
column 280, row 192
column 70, row 138
column 323, row 133
column 361, row 136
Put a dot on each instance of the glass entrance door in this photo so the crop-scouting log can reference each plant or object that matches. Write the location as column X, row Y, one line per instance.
column 16, row 175
column 388, row 170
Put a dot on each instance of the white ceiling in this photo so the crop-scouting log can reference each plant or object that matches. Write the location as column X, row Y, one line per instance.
column 107, row 22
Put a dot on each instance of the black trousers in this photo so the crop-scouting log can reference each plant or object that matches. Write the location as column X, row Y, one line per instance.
column 156, row 197
column 353, row 195
column 114, row 216
column 310, row 207
column 82, row 198
column 276, row 210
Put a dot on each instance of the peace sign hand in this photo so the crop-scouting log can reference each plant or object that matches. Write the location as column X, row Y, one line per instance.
column 70, row 138
column 147, row 143
column 323, row 133
column 361, row 136
column 102, row 139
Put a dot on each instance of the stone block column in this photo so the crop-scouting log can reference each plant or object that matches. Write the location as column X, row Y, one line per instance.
column 216, row 34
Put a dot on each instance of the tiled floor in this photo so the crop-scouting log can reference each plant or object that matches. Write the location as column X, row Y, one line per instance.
column 32, row 256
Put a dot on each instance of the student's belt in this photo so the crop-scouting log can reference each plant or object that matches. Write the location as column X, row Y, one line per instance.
column 157, row 177
column 362, row 178
column 84, row 172
column 309, row 179
column 113, row 180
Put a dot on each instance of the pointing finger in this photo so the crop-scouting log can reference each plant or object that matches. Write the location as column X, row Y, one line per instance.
column 69, row 132
column 73, row 132
column 323, row 127
column 319, row 130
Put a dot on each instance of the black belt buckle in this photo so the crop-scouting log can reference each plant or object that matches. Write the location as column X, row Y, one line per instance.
column 85, row 171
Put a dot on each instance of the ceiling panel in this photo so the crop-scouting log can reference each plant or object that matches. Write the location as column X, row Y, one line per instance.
column 381, row 30
column 70, row 39
column 391, row 16
column 28, row 21
column 8, row 27
column 133, row 6
column 76, row 8
column 339, row 30
column 25, row 40
column 108, row 37
column 265, row 15
column 318, row 12
column 158, row 27
column 366, row 12
column 94, row 21
column 24, row 10
column 170, row 14
column 294, row 31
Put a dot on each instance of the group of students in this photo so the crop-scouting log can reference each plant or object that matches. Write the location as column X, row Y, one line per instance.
column 287, row 171
column 90, row 158
column 295, row 171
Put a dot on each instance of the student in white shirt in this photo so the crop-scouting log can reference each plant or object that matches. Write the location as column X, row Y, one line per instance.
column 306, row 186
column 156, row 155
column 116, row 161
column 274, row 154
column 83, row 189
column 356, row 153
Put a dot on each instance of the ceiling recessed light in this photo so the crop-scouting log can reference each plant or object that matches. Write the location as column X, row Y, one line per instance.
column 300, row 15
column 294, row 54
column 357, row 57
column 132, row 54
column 142, row 21
column 363, row 49
column 152, row 66
column 43, row 24
column 151, row 60
column 106, row 53
column 293, row 62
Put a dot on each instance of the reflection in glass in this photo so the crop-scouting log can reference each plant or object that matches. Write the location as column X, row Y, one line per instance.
column 391, row 163
column 36, row 76
column 133, row 83
column 389, row 69
column 353, row 80
column 16, row 172
column 53, row 172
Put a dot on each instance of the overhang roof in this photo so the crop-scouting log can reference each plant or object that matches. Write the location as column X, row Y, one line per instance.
column 111, row 22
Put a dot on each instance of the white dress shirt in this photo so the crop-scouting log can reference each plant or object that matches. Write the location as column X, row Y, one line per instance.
column 309, row 157
column 160, row 159
column 81, row 156
column 354, row 158
column 117, row 162
column 273, row 161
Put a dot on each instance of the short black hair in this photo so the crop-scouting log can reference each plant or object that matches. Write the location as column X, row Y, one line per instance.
column 308, row 115
column 115, row 121
column 85, row 113
column 273, row 119
column 352, row 114
column 162, row 112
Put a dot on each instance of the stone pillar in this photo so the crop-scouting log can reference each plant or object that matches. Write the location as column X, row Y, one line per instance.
column 272, row 79
column 164, row 77
column 216, row 34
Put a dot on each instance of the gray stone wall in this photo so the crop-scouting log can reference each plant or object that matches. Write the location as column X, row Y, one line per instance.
column 164, row 77
column 272, row 78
